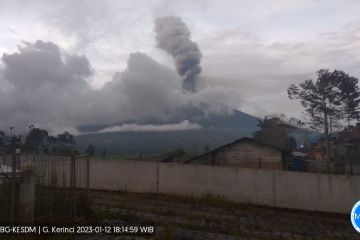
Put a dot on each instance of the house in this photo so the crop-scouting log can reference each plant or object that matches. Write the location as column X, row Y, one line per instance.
column 245, row 152
column 346, row 144
column 344, row 152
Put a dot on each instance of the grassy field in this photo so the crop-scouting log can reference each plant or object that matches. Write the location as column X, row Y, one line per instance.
column 208, row 217
column 213, row 218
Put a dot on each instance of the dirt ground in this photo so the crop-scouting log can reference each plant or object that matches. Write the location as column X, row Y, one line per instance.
column 213, row 218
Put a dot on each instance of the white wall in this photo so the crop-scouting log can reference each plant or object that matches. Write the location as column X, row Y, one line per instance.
column 307, row 191
column 132, row 176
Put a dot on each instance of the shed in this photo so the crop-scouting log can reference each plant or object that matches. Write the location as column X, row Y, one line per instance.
column 245, row 152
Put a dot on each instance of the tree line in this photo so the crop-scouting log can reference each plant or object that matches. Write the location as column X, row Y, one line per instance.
column 40, row 141
column 330, row 101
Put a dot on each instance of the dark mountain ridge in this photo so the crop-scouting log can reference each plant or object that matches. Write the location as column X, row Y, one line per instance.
column 216, row 130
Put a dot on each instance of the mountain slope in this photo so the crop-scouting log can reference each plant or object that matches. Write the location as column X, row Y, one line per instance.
column 216, row 131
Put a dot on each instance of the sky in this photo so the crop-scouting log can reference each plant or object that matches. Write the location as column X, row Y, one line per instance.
column 251, row 51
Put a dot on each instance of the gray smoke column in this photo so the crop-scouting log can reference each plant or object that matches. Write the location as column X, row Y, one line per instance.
column 173, row 36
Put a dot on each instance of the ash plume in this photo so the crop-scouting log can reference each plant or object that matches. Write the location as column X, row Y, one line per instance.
column 45, row 85
column 173, row 36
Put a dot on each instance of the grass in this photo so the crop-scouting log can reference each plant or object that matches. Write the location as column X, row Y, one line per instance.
column 5, row 202
column 52, row 205
column 210, row 214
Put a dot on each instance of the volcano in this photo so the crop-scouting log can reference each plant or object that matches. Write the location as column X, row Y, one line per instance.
column 214, row 131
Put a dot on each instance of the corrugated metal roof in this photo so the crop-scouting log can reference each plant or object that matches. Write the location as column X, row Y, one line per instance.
column 245, row 139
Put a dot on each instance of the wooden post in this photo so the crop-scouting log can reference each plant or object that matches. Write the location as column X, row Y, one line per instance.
column 87, row 177
column 26, row 203
column 259, row 162
column 73, row 188
column 13, row 189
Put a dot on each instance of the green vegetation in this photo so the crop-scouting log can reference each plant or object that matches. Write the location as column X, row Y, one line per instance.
column 39, row 141
column 5, row 202
column 327, row 99
column 176, row 153
column 53, row 206
column 90, row 150
column 275, row 131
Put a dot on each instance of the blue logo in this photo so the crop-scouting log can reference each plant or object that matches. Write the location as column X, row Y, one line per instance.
column 355, row 216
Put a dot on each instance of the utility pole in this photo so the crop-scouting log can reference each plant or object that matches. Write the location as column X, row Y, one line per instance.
column 11, row 139
column 32, row 142
column 11, row 129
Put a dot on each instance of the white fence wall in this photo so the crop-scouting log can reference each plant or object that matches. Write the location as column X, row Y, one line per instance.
column 298, row 190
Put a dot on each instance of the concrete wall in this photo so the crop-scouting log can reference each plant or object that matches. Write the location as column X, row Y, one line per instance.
column 132, row 176
column 307, row 191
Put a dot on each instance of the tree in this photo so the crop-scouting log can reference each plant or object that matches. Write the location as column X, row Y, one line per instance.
column 350, row 96
column 90, row 150
column 66, row 138
column 291, row 144
column 274, row 131
column 35, row 139
column 322, row 100
column 2, row 138
column 289, row 123
column 176, row 153
column 66, row 144
column 271, row 132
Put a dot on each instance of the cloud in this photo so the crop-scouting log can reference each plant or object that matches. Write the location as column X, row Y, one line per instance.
column 261, row 71
column 41, row 64
column 50, row 88
column 184, row 125
column 42, row 85
column 147, row 90
column 256, row 48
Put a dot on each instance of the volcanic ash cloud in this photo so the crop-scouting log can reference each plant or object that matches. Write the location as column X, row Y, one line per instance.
column 173, row 36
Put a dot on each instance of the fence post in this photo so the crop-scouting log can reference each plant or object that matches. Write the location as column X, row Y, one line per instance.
column 13, row 189
column 26, row 202
column 73, row 188
column 87, row 177
column 259, row 162
column 4, row 157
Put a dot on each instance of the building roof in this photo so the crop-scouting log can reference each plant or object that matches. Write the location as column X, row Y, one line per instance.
column 241, row 140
